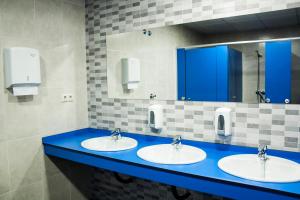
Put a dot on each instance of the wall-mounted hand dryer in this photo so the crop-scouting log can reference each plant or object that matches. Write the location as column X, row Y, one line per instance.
column 22, row 70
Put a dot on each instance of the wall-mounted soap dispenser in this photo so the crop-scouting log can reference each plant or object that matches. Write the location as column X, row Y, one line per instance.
column 155, row 117
column 130, row 73
column 22, row 70
column 223, row 121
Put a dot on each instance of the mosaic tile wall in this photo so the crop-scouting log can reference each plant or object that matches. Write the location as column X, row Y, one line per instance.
column 275, row 125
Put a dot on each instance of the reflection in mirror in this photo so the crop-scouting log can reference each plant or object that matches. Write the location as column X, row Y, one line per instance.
column 251, row 59
column 157, row 56
column 264, row 72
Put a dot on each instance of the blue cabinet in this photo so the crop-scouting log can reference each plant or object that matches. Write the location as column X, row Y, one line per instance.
column 209, row 74
column 278, row 71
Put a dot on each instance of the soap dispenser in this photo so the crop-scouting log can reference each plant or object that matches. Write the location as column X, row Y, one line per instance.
column 223, row 121
column 155, row 117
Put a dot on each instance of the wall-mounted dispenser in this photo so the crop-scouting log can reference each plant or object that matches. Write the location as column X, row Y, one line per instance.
column 155, row 117
column 130, row 73
column 22, row 70
column 223, row 121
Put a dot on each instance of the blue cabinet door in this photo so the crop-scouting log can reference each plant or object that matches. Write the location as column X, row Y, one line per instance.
column 201, row 74
column 222, row 73
column 278, row 71
column 235, row 76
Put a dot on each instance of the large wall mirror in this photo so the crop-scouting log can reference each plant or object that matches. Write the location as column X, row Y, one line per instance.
column 252, row 59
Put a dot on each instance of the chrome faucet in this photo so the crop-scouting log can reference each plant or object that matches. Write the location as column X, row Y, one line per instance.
column 116, row 134
column 262, row 152
column 177, row 142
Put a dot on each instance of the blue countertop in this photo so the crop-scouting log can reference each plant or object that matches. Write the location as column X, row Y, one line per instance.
column 206, row 169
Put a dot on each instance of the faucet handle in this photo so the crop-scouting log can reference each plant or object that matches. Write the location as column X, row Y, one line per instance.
column 177, row 138
column 117, row 130
column 263, row 148
column 177, row 142
column 116, row 134
column 262, row 152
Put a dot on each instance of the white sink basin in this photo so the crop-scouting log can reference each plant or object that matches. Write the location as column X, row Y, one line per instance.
column 168, row 154
column 249, row 166
column 107, row 143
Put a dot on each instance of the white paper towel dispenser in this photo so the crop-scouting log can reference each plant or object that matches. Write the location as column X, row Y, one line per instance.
column 130, row 73
column 22, row 70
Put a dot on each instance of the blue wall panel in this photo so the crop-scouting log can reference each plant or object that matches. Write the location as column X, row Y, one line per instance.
column 201, row 70
column 222, row 73
column 278, row 71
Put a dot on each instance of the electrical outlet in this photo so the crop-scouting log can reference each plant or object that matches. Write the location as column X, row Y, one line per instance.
column 67, row 98
column 71, row 97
